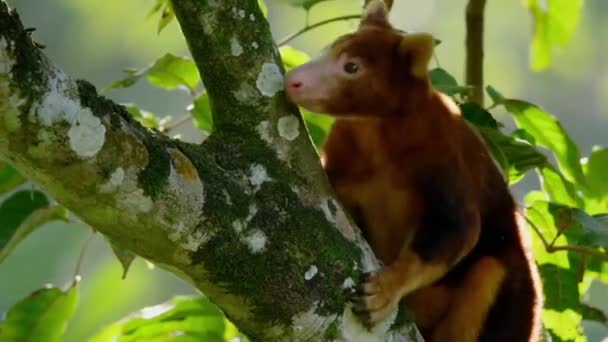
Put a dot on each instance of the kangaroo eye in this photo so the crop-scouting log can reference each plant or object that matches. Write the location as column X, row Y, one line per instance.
column 351, row 68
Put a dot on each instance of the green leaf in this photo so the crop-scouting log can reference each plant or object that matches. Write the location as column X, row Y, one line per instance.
column 306, row 4
column 124, row 256
column 446, row 83
column 170, row 72
column 475, row 114
column 147, row 119
column 591, row 313
column 595, row 169
column 559, row 275
column 201, row 113
column 132, row 77
column 34, row 220
column 496, row 97
column 9, row 178
column 14, row 212
column 516, row 157
column 318, row 126
column 292, row 57
column 166, row 322
column 263, row 7
column 43, row 316
column 549, row 133
column 166, row 16
column 554, row 24
column 558, row 188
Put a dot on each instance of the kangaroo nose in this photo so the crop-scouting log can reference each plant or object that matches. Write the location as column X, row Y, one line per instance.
column 295, row 84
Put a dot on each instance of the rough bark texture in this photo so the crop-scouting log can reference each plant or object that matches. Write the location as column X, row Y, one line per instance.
column 247, row 217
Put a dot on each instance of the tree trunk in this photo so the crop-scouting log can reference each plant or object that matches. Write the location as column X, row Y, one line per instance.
column 247, row 217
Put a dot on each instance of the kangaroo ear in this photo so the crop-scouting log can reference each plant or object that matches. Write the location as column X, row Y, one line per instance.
column 417, row 49
column 375, row 14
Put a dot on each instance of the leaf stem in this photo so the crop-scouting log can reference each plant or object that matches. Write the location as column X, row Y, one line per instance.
column 315, row 25
column 83, row 250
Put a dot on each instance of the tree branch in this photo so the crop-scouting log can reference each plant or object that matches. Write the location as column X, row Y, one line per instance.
column 474, row 49
column 243, row 217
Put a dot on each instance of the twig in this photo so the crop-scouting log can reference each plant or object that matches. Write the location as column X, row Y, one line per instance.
column 315, row 25
column 178, row 122
column 585, row 251
column 474, row 48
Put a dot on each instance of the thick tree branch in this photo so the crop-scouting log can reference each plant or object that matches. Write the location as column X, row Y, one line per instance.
column 247, row 217
column 474, row 48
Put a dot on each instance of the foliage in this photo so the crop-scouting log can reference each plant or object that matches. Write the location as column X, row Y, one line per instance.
column 568, row 215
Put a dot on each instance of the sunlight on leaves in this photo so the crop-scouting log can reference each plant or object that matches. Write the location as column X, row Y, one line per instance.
column 201, row 113
column 555, row 22
column 446, row 83
column 549, row 133
column 42, row 316
column 124, row 256
column 180, row 317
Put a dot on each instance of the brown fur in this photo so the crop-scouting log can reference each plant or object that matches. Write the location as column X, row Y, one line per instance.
column 424, row 189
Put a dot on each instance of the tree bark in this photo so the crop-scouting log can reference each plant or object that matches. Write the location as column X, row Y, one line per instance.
column 247, row 217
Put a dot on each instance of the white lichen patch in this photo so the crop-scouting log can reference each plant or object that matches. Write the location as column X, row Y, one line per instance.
column 263, row 129
column 114, row 182
column 289, row 127
column 351, row 329
column 87, row 134
column 311, row 273
column 135, row 200
column 348, row 283
column 252, row 17
column 246, row 93
column 209, row 22
column 255, row 45
column 6, row 62
column 270, row 80
column 58, row 104
column 235, row 47
column 183, row 198
column 178, row 231
column 325, row 208
column 308, row 324
column 256, row 240
column 258, row 176
column 195, row 241
column 227, row 197
column 238, row 226
column 242, row 14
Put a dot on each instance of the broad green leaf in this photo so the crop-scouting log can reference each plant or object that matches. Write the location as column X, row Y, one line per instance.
column 496, row 97
column 446, row 83
column 167, row 322
column 34, row 220
column 558, row 188
column 596, row 169
column 306, row 4
column 555, row 22
column 591, row 313
column 14, row 211
column 318, row 126
column 9, row 178
column 516, row 157
column 201, row 113
column 559, row 275
column 43, row 316
column 292, row 57
column 170, row 72
column 263, row 7
column 133, row 75
column 475, row 114
column 124, row 256
column 165, row 17
column 147, row 119
column 549, row 133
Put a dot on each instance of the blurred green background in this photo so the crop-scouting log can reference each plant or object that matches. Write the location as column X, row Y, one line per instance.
column 95, row 40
